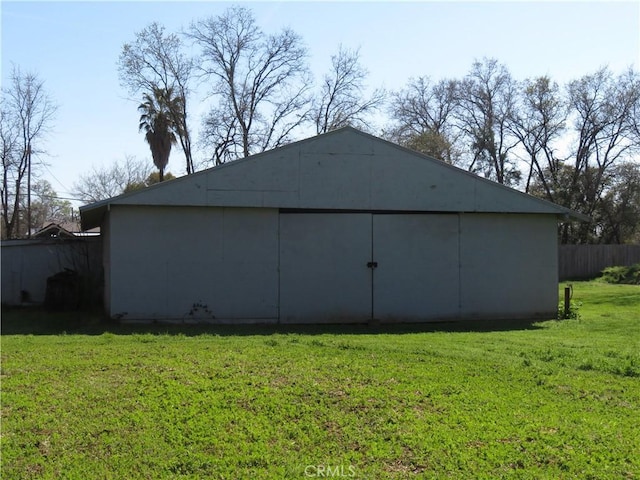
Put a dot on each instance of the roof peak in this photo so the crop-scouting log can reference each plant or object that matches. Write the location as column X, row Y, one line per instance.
column 344, row 169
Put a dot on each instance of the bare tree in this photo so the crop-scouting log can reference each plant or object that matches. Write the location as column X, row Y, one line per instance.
column 26, row 113
column 261, row 83
column 106, row 182
column 422, row 113
column 221, row 133
column 602, row 110
column 156, row 61
column 486, row 99
column 342, row 100
column 596, row 120
column 539, row 123
column 580, row 143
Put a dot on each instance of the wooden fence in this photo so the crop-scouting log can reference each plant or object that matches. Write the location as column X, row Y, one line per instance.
column 588, row 261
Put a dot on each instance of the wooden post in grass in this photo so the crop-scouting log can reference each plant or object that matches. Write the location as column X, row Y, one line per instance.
column 567, row 301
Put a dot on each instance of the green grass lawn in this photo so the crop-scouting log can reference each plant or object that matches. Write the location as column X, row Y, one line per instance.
column 556, row 399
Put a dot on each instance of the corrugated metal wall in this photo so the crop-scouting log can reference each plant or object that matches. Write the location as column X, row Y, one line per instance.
column 355, row 267
column 247, row 265
column 193, row 264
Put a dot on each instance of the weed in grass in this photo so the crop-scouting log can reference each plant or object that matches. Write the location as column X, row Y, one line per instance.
column 630, row 366
column 586, row 365
column 573, row 313
column 348, row 346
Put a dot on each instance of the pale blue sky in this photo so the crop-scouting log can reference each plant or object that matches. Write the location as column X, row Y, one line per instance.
column 74, row 48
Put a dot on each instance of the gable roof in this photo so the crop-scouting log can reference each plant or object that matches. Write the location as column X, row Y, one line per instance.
column 56, row 230
column 345, row 169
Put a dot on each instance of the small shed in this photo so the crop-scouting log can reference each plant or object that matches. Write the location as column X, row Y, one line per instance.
column 340, row 227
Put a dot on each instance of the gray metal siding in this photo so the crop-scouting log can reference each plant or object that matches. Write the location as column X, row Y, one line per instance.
column 344, row 169
column 417, row 277
column 194, row 264
column 428, row 266
column 105, row 234
column 323, row 268
column 509, row 265
column 260, row 265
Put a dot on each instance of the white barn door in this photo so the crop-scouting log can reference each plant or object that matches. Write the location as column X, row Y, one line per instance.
column 324, row 276
column 417, row 275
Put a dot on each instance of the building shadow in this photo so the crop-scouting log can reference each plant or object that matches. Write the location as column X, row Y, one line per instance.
column 37, row 321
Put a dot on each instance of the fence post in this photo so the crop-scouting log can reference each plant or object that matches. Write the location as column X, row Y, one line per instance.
column 567, row 301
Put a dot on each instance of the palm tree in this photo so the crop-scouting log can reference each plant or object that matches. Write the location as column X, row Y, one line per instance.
column 156, row 122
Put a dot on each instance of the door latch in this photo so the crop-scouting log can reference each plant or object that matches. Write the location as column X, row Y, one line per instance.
column 372, row 264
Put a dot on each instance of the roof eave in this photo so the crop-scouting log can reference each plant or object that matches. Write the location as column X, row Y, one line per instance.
column 571, row 215
column 91, row 216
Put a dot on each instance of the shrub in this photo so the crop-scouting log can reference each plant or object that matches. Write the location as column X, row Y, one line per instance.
column 620, row 274
column 572, row 314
